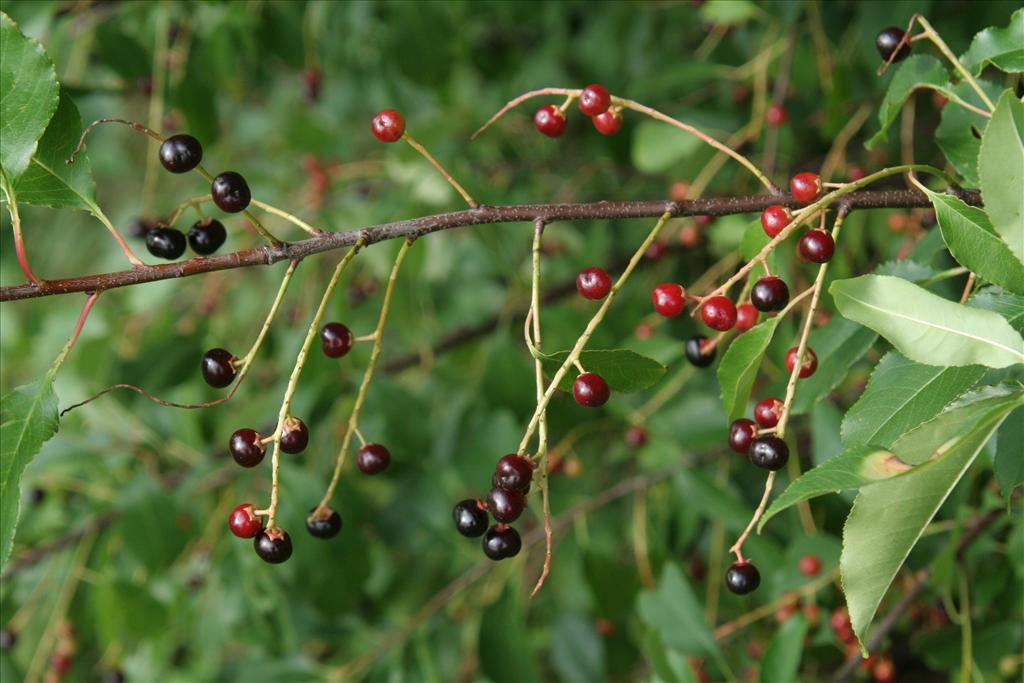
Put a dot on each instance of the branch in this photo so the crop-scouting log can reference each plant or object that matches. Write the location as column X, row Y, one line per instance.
column 416, row 227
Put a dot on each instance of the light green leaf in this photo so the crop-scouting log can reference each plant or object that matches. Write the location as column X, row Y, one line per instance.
column 1001, row 170
column 673, row 609
column 838, row 345
column 657, row 147
column 738, row 368
column 624, row 370
column 729, row 12
column 1010, row 306
column 959, row 132
column 782, row 658
column 917, row 71
column 28, row 97
column 925, row 327
column 754, row 240
column 28, row 418
column 1009, row 464
column 1001, row 47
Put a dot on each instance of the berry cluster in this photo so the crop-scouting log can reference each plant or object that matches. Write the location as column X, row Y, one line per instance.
column 505, row 502
column 594, row 101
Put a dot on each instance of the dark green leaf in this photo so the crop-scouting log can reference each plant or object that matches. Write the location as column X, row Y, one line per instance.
column 674, row 611
column 738, row 369
column 1009, row 462
column 624, row 370
column 917, row 71
column 782, row 658
column 1001, row 47
column 959, row 132
column 1001, row 169
column 838, row 345
column 577, row 651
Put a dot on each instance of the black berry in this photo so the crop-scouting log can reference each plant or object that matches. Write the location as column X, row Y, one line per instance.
column 590, row 390
column 273, row 545
column 230, row 192
column 243, row 521
column 207, row 236
column 295, row 436
column 166, row 243
column 218, row 368
column 887, row 41
column 373, row 458
column 246, row 447
column 696, row 353
column 741, row 434
column 501, row 542
column 336, row 340
column 470, row 518
column 180, row 153
column 505, row 505
column 769, row 294
column 323, row 522
column 513, row 472
column 742, row 578
column 769, row 452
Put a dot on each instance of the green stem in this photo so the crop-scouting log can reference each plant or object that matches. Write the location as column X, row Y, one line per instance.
column 944, row 49
column 55, row 368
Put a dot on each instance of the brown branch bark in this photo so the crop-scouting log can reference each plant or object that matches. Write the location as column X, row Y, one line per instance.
column 417, row 227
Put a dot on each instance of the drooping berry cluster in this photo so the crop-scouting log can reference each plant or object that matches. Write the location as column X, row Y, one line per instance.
column 594, row 101
column 505, row 502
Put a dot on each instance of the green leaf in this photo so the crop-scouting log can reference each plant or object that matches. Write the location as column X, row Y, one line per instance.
column 28, row 97
column 888, row 518
column 925, row 327
column 960, row 130
column 971, row 239
column 577, row 651
column 754, row 240
column 28, row 418
column 657, row 147
column 839, row 344
column 782, row 658
column 49, row 180
column 1009, row 464
column 729, row 12
column 900, row 395
column 1001, row 169
column 1001, row 47
column 624, row 370
column 675, row 612
column 1010, row 306
column 738, row 369
column 917, row 71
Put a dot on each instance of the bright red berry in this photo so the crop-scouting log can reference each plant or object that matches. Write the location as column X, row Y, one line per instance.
column 776, row 115
column 550, row 121
column 669, row 299
column 810, row 565
column 593, row 283
column 595, row 100
column 243, row 521
column 816, row 246
column 741, row 433
column 746, row 317
column 768, row 412
column 809, row 365
column 608, row 122
column 774, row 219
column 590, row 390
column 718, row 313
column 388, row 125
column 805, row 187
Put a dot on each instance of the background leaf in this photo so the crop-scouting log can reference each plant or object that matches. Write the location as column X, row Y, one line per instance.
column 782, row 657
column 624, row 370
column 1001, row 169
column 1009, row 463
column 675, row 612
column 1001, row 47
column 916, row 71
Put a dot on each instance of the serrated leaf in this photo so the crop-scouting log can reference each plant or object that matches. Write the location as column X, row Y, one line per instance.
column 624, row 370
column 28, row 418
column 838, row 345
column 1009, row 463
column 900, row 395
column 1010, row 306
column 925, row 327
column 673, row 609
column 1001, row 47
column 1001, row 170
column 738, row 368
column 28, row 97
column 960, row 129
column 782, row 657
column 917, row 71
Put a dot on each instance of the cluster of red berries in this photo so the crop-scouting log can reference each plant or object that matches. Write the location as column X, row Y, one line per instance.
column 594, row 101
column 505, row 502
column 816, row 245
column 882, row 668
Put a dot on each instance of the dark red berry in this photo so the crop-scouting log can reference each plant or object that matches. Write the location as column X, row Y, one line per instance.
column 769, row 452
column 501, row 542
column 769, row 294
column 336, row 340
column 166, row 243
column 323, row 522
column 608, row 123
column 669, row 299
column 207, row 236
column 273, row 545
column 805, row 187
column 505, row 506
column 470, row 518
column 742, row 578
column 8, row 638
column 373, row 458
column 741, row 433
column 590, row 390
column 295, row 436
column 230, row 192
column 246, row 447
column 217, row 366
column 311, row 81
column 550, row 121
column 595, row 100
column 768, row 412
column 775, row 218
column 809, row 365
column 388, row 125
column 816, row 246
column 718, row 313
column 593, row 283
column 776, row 115
column 887, row 42
column 855, row 173
column 514, row 472
column 697, row 353
column 180, row 153
column 243, row 521
column 810, row 565
column 59, row 664
column 636, row 436
column 746, row 317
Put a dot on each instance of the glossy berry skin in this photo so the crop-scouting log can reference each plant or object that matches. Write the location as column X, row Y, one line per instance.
column 774, row 219
column 470, row 518
column 323, row 523
column 741, row 434
column 595, row 100
column 669, row 299
column 388, row 125
column 336, row 340
column 180, row 153
column 809, row 365
column 373, row 458
column 243, row 523
column 295, row 436
column 768, row 412
column 230, row 192
column 810, row 565
column 590, row 390
column 166, row 243
column 246, row 448
column 816, row 246
column 501, row 542
column 273, row 545
column 769, row 452
column 550, row 121
column 696, row 354
column 505, row 506
column 887, row 41
column 217, row 368
column 593, row 283
column 805, row 187
column 776, row 115
column 608, row 123
column 746, row 317
column 769, row 294
column 207, row 236
column 718, row 313
column 514, row 472
column 742, row 578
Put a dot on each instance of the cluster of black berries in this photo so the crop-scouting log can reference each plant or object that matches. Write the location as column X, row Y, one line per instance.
column 505, row 502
